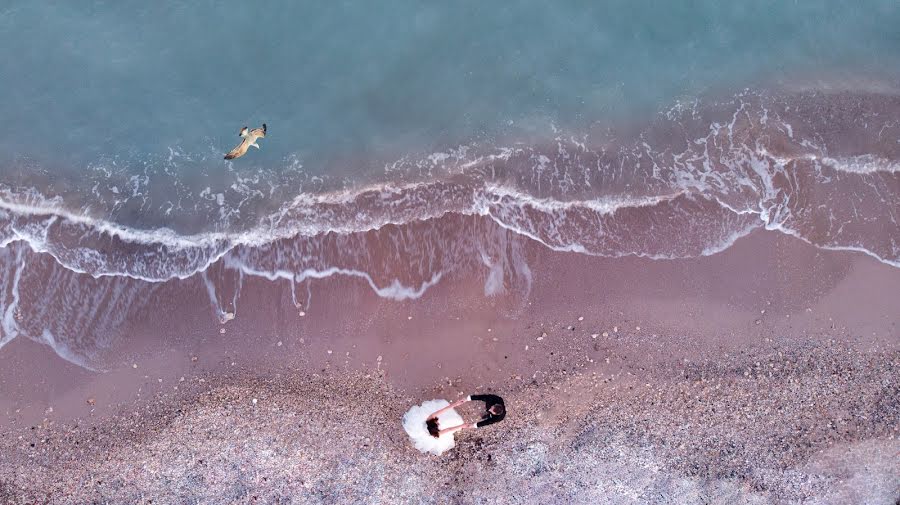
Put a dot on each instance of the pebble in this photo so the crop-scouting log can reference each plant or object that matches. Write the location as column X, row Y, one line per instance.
column 91, row 401
column 254, row 401
column 279, row 343
column 581, row 318
column 605, row 333
column 615, row 329
column 134, row 365
column 221, row 331
column 302, row 313
column 194, row 359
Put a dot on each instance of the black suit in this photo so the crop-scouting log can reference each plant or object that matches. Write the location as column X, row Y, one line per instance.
column 489, row 401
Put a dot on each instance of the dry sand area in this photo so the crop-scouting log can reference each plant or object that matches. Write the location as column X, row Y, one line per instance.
column 816, row 424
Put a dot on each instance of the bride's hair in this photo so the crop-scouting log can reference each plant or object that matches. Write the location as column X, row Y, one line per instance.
column 432, row 425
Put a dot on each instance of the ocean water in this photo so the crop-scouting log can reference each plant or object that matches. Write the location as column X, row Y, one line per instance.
column 412, row 142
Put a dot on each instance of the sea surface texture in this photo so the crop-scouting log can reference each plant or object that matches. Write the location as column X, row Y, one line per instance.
column 413, row 142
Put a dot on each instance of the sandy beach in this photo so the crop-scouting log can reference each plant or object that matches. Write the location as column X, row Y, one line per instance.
column 763, row 374
column 247, row 251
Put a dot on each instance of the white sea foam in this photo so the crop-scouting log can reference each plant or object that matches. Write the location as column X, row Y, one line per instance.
column 606, row 205
column 400, row 204
column 830, row 247
column 210, row 247
column 64, row 351
column 395, row 290
column 729, row 241
column 863, row 164
column 9, row 325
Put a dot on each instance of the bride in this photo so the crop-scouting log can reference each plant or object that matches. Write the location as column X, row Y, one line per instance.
column 423, row 423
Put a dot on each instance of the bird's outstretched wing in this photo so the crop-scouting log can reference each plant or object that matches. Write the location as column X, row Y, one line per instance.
column 259, row 132
column 239, row 150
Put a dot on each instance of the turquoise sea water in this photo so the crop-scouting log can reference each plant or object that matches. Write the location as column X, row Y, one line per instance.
column 87, row 82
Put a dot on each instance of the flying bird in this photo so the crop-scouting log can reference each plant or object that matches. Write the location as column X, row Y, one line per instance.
column 249, row 137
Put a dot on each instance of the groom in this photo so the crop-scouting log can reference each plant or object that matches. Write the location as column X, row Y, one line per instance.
column 493, row 405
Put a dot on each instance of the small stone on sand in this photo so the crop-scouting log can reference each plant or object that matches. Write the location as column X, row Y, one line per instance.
column 134, row 365
column 221, row 331
column 581, row 318
column 605, row 333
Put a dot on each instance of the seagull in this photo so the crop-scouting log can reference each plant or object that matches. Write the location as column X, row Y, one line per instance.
column 249, row 137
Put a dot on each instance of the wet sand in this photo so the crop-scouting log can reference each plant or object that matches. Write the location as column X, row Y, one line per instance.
column 763, row 374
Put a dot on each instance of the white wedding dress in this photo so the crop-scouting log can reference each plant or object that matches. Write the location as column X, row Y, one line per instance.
column 414, row 424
